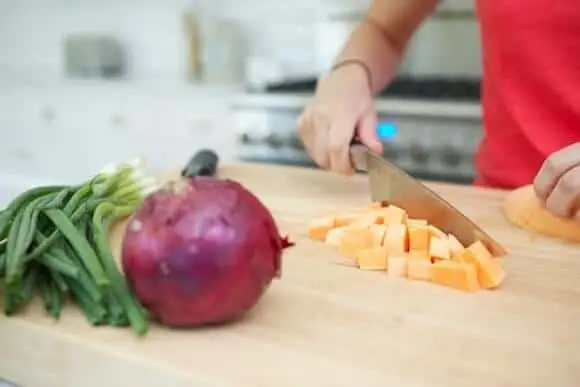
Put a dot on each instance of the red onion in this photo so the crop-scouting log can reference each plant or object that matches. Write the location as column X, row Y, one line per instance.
column 201, row 252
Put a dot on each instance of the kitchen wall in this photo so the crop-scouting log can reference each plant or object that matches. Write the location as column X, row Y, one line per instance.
column 57, row 128
column 32, row 31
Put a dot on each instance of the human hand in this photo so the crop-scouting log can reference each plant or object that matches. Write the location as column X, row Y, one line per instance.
column 557, row 184
column 342, row 104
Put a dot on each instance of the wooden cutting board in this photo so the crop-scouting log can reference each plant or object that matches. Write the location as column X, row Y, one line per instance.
column 324, row 324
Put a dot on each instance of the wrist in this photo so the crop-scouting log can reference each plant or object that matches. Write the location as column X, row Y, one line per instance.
column 354, row 62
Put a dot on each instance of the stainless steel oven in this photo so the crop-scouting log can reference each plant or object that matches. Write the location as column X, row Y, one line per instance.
column 430, row 127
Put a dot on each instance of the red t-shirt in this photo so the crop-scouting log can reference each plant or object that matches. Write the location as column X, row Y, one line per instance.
column 530, row 86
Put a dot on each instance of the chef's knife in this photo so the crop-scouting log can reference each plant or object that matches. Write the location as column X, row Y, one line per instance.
column 203, row 163
column 391, row 184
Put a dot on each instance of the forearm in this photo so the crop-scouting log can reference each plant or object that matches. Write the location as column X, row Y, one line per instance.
column 369, row 45
column 381, row 37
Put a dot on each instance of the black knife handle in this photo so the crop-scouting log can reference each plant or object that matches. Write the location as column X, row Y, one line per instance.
column 203, row 163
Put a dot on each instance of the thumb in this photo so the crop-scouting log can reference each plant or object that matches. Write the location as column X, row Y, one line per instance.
column 367, row 131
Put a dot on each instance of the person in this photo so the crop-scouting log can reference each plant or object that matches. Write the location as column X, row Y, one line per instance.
column 530, row 93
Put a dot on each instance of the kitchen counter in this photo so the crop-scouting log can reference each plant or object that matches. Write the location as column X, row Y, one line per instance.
column 324, row 324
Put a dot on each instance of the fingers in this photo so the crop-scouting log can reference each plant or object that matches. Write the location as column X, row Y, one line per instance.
column 328, row 124
column 313, row 133
column 564, row 199
column 367, row 131
column 341, row 134
column 327, row 138
column 554, row 168
column 321, row 126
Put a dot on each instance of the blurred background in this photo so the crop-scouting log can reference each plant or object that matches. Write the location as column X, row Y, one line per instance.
column 84, row 83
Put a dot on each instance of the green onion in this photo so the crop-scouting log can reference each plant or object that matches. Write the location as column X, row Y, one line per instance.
column 79, row 244
column 54, row 243
column 135, row 313
column 21, row 235
column 8, row 214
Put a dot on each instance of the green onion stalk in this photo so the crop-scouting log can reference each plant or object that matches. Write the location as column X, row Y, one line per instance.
column 56, row 237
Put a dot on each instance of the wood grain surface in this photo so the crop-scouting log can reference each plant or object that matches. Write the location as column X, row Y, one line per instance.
column 323, row 324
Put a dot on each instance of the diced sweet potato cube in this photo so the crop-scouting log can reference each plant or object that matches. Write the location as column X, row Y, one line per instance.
column 454, row 244
column 461, row 276
column 372, row 258
column 366, row 220
column 375, row 205
column 439, row 248
column 397, row 266
column 419, row 254
column 499, row 272
column 396, row 239
column 458, row 257
column 419, row 269
column 456, row 248
column 334, row 236
column 319, row 227
column 378, row 231
column 434, row 231
column 416, row 222
column 354, row 239
column 346, row 218
column 418, row 238
column 489, row 273
column 392, row 214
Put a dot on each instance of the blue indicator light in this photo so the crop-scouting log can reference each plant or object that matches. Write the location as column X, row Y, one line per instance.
column 386, row 130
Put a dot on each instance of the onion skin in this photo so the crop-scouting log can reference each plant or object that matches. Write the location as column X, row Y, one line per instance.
column 201, row 253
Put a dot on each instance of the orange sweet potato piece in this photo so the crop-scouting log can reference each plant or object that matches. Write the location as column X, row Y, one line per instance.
column 439, row 248
column 396, row 239
column 418, row 238
column 499, row 272
column 392, row 214
column 319, row 227
column 523, row 209
column 354, row 239
column 333, row 236
column 456, row 248
column 365, row 220
column 489, row 273
column 372, row 258
column 419, row 269
column 419, row 254
column 374, row 206
column 454, row 243
column 434, row 231
column 397, row 266
column 378, row 231
column 410, row 222
column 458, row 257
column 461, row 276
column 348, row 217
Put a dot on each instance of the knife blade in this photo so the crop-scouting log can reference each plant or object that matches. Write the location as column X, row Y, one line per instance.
column 391, row 184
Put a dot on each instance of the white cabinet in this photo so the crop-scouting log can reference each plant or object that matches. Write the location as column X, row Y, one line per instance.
column 68, row 134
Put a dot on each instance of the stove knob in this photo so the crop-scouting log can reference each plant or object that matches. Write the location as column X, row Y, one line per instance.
column 450, row 156
column 418, row 154
column 274, row 141
column 245, row 138
column 296, row 143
